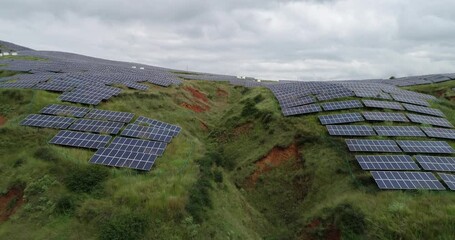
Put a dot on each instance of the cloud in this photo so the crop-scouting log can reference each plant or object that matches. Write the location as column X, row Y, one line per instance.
column 307, row 40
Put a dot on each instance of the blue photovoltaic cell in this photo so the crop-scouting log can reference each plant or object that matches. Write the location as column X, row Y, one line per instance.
column 363, row 145
column 158, row 124
column 138, row 145
column 449, row 180
column 78, row 139
column 122, row 158
column 406, row 180
column 399, row 131
column 98, row 126
column 435, row 121
column 435, row 163
column 383, row 104
column 150, row 133
column 439, row 132
column 124, row 117
column 63, row 110
column 46, row 121
column 385, row 116
column 331, row 106
column 341, row 118
column 305, row 109
column 425, row 146
column 386, row 162
column 350, row 130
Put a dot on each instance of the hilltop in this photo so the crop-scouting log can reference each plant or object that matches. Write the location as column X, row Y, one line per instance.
column 251, row 160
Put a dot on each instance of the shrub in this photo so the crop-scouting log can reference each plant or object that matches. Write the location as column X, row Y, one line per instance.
column 124, row 227
column 259, row 98
column 65, row 204
column 46, row 154
column 249, row 109
column 85, row 178
column 348, row 218
column 218, row 176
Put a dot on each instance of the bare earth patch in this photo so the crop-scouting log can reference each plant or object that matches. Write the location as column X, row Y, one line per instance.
column 197, row 94
column 273, row 159
column 221, row 93
column 193, row 107
column 10, row 203
column 2, row 120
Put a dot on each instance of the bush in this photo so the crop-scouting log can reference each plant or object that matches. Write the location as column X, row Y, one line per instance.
column 65, row 204
column 249, row 109
column 259, row 98
column 348, row 219
column 46, row 154
column 218, row 176
column 124, row 227
column 85, row 178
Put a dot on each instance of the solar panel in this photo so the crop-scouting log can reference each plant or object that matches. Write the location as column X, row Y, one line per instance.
column 63, row 110
column 305, row 109
column 413, row 100
column 406, row 180
column 46, row 121
column 361, row 145
column 122, row 158
column 138, row 145
column 124, row 117
column 333, row 95
column 385, row 116
column 433, row 163
column 350, row 130
column 424, row 110
column 84, row 99
column 439, row 132
column 330, row 106
column 341, row 118
column 292, row 102
column 78, row 139
column 98, row 126
column 399, row 131
column 435, row 121
column 158, row 124
column 425, row 146
column 386, row 162
column 383, row 104
column 150, row 133
column 449, row 180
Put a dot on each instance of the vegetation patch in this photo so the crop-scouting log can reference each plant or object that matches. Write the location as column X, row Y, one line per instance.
column 85, row 178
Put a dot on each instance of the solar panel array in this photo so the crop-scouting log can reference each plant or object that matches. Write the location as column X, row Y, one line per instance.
column 449, row 180
column 150, row 133
column 331, row 106
column 383, row 104
column 386, row 162
column 406, row 180
column 78, row 139
column 89, row 125
column 425, row 146
column 436, row 163
column 341, row 118
column 46, row 121
column 138, row 145
column 396, row 131
column 121, row 158
column 64, row 110
column 435, row 121
column 361, row 145
column 124, row 117
column 159, row 124
column 424, row 110
column 439, row 132
column 385, row 116
column 350, row 130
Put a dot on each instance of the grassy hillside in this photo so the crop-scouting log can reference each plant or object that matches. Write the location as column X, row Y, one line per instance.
column 238, row 170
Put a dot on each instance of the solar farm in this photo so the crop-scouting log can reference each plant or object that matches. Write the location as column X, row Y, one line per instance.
column 276, row 147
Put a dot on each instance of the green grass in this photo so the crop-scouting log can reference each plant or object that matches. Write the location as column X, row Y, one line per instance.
column 325, row 185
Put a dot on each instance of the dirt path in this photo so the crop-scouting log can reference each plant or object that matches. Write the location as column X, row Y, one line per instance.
column 10, row 203
column 273, row 159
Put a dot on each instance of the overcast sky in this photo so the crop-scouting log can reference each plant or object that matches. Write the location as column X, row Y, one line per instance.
column 306, row 40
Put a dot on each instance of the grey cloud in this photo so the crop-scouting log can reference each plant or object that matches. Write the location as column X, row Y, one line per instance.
column 308, row 40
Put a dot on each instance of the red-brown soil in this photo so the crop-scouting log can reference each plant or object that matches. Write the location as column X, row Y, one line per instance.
column 197, row 94
column 10, row 203
column 221, row 93
column 273, row 159
column 194, row 108
column 2, row 120
column 332, row 233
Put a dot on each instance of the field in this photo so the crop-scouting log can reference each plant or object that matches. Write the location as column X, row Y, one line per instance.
column 238, row 170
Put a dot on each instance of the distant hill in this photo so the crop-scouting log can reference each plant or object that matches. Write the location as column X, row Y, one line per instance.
column 101, row 149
